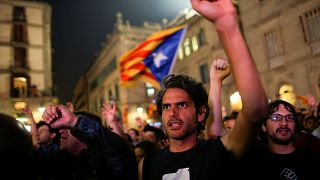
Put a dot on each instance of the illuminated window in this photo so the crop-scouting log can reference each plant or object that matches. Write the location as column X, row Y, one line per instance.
column 311, row 24
column 195, row 45
column 150, row 91
column 287, row 94
column 186, row 46
column 20, row 105
column 20, row 86
column 180, row 53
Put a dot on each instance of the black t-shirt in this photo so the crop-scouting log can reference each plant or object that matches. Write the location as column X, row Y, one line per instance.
column 207, row 160
column 263, row 164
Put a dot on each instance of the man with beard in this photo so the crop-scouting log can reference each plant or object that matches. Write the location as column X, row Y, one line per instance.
column 277, row 157
column 183, row 106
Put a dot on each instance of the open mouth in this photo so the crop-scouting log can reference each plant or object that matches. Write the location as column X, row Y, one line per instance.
column 175, row 124
column 283, row 131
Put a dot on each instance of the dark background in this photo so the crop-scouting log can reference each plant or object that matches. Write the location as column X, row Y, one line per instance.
column 80, row 26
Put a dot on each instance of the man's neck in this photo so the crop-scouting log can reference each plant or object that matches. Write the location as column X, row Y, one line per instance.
column 281, row 149
column 183, row 145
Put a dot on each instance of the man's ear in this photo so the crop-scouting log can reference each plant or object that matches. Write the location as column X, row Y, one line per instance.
column 264, row 129
column 202, row 113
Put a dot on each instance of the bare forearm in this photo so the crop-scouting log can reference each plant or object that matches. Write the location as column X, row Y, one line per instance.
column 216, row 128
column 34, row 131
column 244, row 71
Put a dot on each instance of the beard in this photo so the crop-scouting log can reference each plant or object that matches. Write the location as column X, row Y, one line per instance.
column 184, row 133
column 281, row 141
column 183, row 136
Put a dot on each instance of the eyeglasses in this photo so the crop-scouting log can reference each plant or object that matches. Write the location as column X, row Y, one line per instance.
column 278, row 117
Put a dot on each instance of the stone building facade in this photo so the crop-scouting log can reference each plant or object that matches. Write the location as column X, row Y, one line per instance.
column 283, row 37
column 25, row 57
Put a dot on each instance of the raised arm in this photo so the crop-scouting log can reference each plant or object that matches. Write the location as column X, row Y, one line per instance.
column 254, row 100
column 34, row 130
column 220, row 69
column 109, row 114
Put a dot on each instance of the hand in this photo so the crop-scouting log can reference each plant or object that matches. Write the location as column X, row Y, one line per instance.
column 59, row 116
column 219, row 70
column 109, row 112
column 27, row 112
column 70, row 106
column 220, row 12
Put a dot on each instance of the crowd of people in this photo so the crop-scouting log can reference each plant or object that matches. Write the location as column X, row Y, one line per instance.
column 264, row 140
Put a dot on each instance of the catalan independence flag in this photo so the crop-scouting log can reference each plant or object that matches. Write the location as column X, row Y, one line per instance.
column 153, row 59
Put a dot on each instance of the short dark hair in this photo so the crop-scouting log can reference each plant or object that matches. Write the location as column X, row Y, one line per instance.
column 274, row 106
column 193, row 88
column 42, row 123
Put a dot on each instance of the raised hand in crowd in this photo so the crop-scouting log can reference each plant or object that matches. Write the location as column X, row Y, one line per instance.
column 70, row 106
column 219, row 70
column 109, row 113
column 59, row 116
column 34, row 130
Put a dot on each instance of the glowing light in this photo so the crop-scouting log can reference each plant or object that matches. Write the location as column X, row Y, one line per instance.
column 22, row 119
column 41, row 109
column 236, row 103
column 20, row 105
column 139, row 109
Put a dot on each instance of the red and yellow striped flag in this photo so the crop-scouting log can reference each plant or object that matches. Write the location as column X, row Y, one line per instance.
column 152, row 59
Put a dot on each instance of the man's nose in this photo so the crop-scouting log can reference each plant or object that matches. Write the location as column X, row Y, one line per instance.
column 283, row 121
column 174, row 111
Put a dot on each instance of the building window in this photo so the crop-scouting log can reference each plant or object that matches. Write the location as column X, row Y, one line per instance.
column 311, row 25
column 110, row 95
column 150, row 91
column 116, row 88
column 204, row 72
column 19, row 33
column 19, row 26
column 180, row 53
column 201, row 37
column 194, row 42
column 19, row 86
column 186, row 45
column 20, row 57
column 273, row 44
column 286, row 93
column 19, row 14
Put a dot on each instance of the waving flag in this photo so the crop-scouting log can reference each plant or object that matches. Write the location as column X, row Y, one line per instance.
column 153, row 59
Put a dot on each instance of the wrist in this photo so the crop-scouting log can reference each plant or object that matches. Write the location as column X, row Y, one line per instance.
column 74, row 121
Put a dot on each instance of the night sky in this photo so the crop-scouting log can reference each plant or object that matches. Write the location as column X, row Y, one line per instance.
column 80, row 26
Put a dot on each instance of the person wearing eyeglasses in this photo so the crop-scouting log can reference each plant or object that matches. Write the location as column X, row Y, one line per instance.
column 278, row 158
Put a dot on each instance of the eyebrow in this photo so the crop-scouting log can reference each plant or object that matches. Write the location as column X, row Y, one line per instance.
column 177, row 103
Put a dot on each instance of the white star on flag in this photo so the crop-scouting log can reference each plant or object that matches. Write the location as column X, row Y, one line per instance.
column 158, row 57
